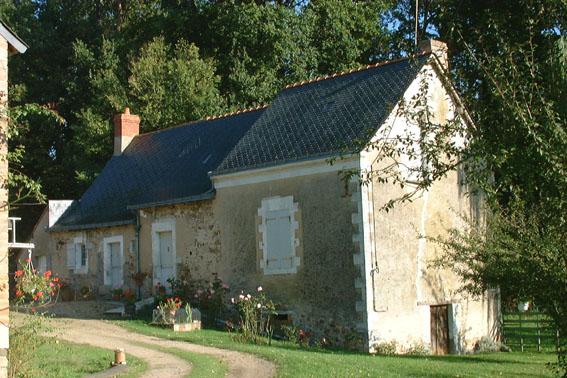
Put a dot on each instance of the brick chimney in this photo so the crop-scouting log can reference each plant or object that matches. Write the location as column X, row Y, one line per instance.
column 126, row 127
column 436, row 47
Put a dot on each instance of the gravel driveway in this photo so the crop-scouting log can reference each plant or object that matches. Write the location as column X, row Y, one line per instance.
column 81, row 322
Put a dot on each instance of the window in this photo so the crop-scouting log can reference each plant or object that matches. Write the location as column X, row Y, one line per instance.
column 77, row 256
column 279, row 242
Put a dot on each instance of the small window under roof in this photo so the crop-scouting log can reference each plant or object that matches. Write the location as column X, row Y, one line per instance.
column 209, row 156
column 327, row 107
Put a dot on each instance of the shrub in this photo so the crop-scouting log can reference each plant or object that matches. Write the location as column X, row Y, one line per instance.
column 336, row 336
column 25, row 338
column 254, row 317
column 386, row 347
column 487, row 345
column 290, row 333
column 418, row 348
column 210, row 299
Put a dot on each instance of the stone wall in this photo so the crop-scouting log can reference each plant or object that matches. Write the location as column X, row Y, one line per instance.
column 197, row 238
column 323, row 287
column 197, row 247
column 4, row 288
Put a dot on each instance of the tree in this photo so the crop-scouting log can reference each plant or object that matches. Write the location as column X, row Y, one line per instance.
column 509, row 62
column 171, row 85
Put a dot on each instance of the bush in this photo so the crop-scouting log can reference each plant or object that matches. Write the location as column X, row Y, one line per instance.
column 386, row 347
column 210, row 299
column 418, row 348
column 487, row 345
column 25, row 338
column 254, row 317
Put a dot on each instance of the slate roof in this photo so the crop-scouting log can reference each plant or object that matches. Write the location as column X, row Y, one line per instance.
column 157, row 168
column 307, row 120
column 323, row 117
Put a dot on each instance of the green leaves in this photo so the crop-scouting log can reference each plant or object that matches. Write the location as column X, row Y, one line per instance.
column 169, row 85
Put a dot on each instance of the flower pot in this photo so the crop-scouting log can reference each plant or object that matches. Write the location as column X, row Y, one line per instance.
column 170, row 316
column 67, row 293
column 523, row 305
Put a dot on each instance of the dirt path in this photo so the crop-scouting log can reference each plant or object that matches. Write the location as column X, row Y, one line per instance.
column 105, row 335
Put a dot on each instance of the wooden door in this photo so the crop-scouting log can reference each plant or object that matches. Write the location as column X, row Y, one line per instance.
column 440, row 329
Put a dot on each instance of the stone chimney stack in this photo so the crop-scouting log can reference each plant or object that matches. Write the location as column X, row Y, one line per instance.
column 436, row 47
column 126, row 127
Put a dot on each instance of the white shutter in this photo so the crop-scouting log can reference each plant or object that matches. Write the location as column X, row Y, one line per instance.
column 71, row 256
column 78, row 264
column 278, row 229
column 107, row 265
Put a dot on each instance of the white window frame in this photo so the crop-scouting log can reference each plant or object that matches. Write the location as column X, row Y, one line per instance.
column 81, row 267
column 107, row 263
column 278, row 204
column 163, row 225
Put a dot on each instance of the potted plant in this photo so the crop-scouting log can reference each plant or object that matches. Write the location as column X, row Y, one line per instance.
column 117, row 293
column 169, row 308
column 86, row 292
column 139, row 278
column 130, row 297
column 66, row 291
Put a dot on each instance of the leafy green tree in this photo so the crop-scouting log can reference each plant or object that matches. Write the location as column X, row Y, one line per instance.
column 171, row 85
column 509, row 63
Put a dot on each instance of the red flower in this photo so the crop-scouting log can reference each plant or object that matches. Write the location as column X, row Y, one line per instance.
column 52, row 293
column 56, row 279
column 48, row 273
column 32, row 309
column 18, row 273
column 28, row 260
column 18, row 292
column 40, row 294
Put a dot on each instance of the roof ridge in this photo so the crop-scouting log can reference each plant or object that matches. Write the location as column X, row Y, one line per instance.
column 210, row 118
column 361, row 68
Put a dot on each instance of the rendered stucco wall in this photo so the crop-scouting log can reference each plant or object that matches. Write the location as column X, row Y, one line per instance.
column 4, row 290
column 323, row 287
column 401, row 284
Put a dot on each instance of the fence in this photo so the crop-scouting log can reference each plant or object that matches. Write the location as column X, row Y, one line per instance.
column 531, row 330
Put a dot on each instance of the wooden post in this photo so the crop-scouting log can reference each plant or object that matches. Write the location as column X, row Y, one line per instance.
column 521, row 333
column 538, row 332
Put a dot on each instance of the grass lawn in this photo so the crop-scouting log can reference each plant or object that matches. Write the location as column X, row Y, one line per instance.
column 295, row 361
column 62, row 359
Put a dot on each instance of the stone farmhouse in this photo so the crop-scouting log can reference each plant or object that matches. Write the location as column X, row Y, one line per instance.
column 252, row 197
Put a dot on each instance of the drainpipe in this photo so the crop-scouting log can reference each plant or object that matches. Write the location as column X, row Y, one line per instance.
column 137, row 227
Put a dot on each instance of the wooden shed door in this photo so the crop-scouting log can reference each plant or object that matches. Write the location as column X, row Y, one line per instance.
column 440, row 329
